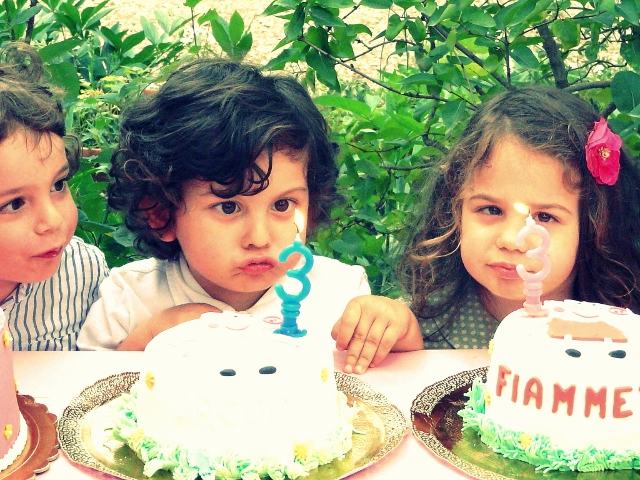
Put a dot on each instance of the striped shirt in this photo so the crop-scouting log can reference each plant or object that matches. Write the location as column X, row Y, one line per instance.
column 48, row 315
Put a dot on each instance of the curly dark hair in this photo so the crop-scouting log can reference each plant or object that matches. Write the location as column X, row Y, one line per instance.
column 28, row 101
column 556, row 123
column 210, row 121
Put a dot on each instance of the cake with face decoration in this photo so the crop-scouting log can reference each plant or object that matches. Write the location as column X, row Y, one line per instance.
column 13, row 429
column 563, row 389
column 225, row 397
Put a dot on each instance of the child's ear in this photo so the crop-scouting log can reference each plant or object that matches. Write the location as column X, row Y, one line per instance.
column 158, row 218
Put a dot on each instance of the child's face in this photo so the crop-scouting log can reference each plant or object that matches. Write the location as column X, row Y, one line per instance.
column 232, row 245
column 37, row 213
column 490, row 223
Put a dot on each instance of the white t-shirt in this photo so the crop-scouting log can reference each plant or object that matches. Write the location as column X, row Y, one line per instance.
column 133, row 293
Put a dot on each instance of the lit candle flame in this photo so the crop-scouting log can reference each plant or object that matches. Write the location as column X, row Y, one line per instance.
column 522, row 208
column 299, row 220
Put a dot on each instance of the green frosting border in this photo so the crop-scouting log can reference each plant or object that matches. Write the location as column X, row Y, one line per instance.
column 540, row 452
column 188, row 464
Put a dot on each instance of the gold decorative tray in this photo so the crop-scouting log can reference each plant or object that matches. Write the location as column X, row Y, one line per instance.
column 436, row 423
column 84, row 430
column 42, row 442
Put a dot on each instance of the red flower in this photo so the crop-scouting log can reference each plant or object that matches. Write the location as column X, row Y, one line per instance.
column 603, row 153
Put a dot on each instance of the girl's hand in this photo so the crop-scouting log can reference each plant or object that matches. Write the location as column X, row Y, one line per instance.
column 143, row 333
column 371, row 327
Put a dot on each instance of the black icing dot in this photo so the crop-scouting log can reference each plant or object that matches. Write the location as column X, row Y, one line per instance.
column 618, row 354
column 267, row 370
column 572, row 352
column 228, row 372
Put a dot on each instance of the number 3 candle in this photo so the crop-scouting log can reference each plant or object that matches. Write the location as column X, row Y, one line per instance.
column 533, row 281
column 291, row 302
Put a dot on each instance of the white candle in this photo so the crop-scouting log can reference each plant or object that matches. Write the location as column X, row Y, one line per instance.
column 533, row 281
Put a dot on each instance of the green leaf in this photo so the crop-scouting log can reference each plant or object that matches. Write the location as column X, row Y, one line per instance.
column 478, row 17
column 394, row 27
column 324, row 17
column 288, row 55
column 630, row 51
column 335, row 3
column 236, row 27
column 368, row 168
column 379, row 4
column 150, row 31
column 525, row 57
column 629, row 11
column 325, row 69
column 443, row 13
column 417, row 29
column 348, row 245
column 132, row 41
column 567, row 31
column 351, row 105
column 64, row 74
column 293, row 29
column 25, row 15
column 54, row 50
column 625, row 90
column 452, row 112
column 514, row 14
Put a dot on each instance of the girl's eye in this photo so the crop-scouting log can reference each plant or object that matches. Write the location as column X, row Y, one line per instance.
column 282, row 205
column 227, row 208
column 12, row 206
column 544, row 217
column 491, row 210
column 59, row 186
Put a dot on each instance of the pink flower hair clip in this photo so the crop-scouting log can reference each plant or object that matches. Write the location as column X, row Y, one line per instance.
column 603, row 153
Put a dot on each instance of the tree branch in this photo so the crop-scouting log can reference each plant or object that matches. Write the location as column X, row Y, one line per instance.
column 443, row 33
column 553, row 53
column 588, row 86
column 367, row 77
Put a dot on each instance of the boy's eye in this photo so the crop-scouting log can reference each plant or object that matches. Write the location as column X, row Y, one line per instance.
column 12, row 206
column 227, row 208
column 59, row 186
column 282, row 205
column 491, row 210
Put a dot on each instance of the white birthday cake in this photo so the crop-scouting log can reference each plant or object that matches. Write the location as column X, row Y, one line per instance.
column 13, row 428
column 225, row 397
column 562, row 390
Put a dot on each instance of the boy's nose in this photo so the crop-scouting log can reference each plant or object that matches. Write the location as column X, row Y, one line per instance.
column 49, row 218
column 257, row 234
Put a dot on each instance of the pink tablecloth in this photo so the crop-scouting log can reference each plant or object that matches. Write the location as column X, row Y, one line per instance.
column 54, row 378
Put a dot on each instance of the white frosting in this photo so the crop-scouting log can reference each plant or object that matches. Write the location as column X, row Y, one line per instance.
column 524, row 353
column 18, row 446
column 184, row 399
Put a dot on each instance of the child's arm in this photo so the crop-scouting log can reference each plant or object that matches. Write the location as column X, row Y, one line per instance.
column 371, row 327
column 143, row 333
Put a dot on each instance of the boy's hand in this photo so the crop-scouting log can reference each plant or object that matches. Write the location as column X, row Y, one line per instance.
column 371, row 327
column 143, row 333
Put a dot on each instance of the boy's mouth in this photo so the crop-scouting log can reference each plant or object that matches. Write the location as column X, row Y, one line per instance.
column 257, row 266
column 53, row 253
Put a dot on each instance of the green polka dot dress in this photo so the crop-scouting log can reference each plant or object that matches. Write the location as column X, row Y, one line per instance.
column 472, row 326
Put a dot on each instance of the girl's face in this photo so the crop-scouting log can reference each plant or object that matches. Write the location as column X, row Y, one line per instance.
column 37, row 213
column 232, row 245
column 490, row 223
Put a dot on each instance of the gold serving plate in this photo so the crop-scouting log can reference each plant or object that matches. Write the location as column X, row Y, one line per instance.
column 436, row 423
column 85, row 435
column 42, row 442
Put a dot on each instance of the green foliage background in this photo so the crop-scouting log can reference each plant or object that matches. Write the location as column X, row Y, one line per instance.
column 392, row 127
